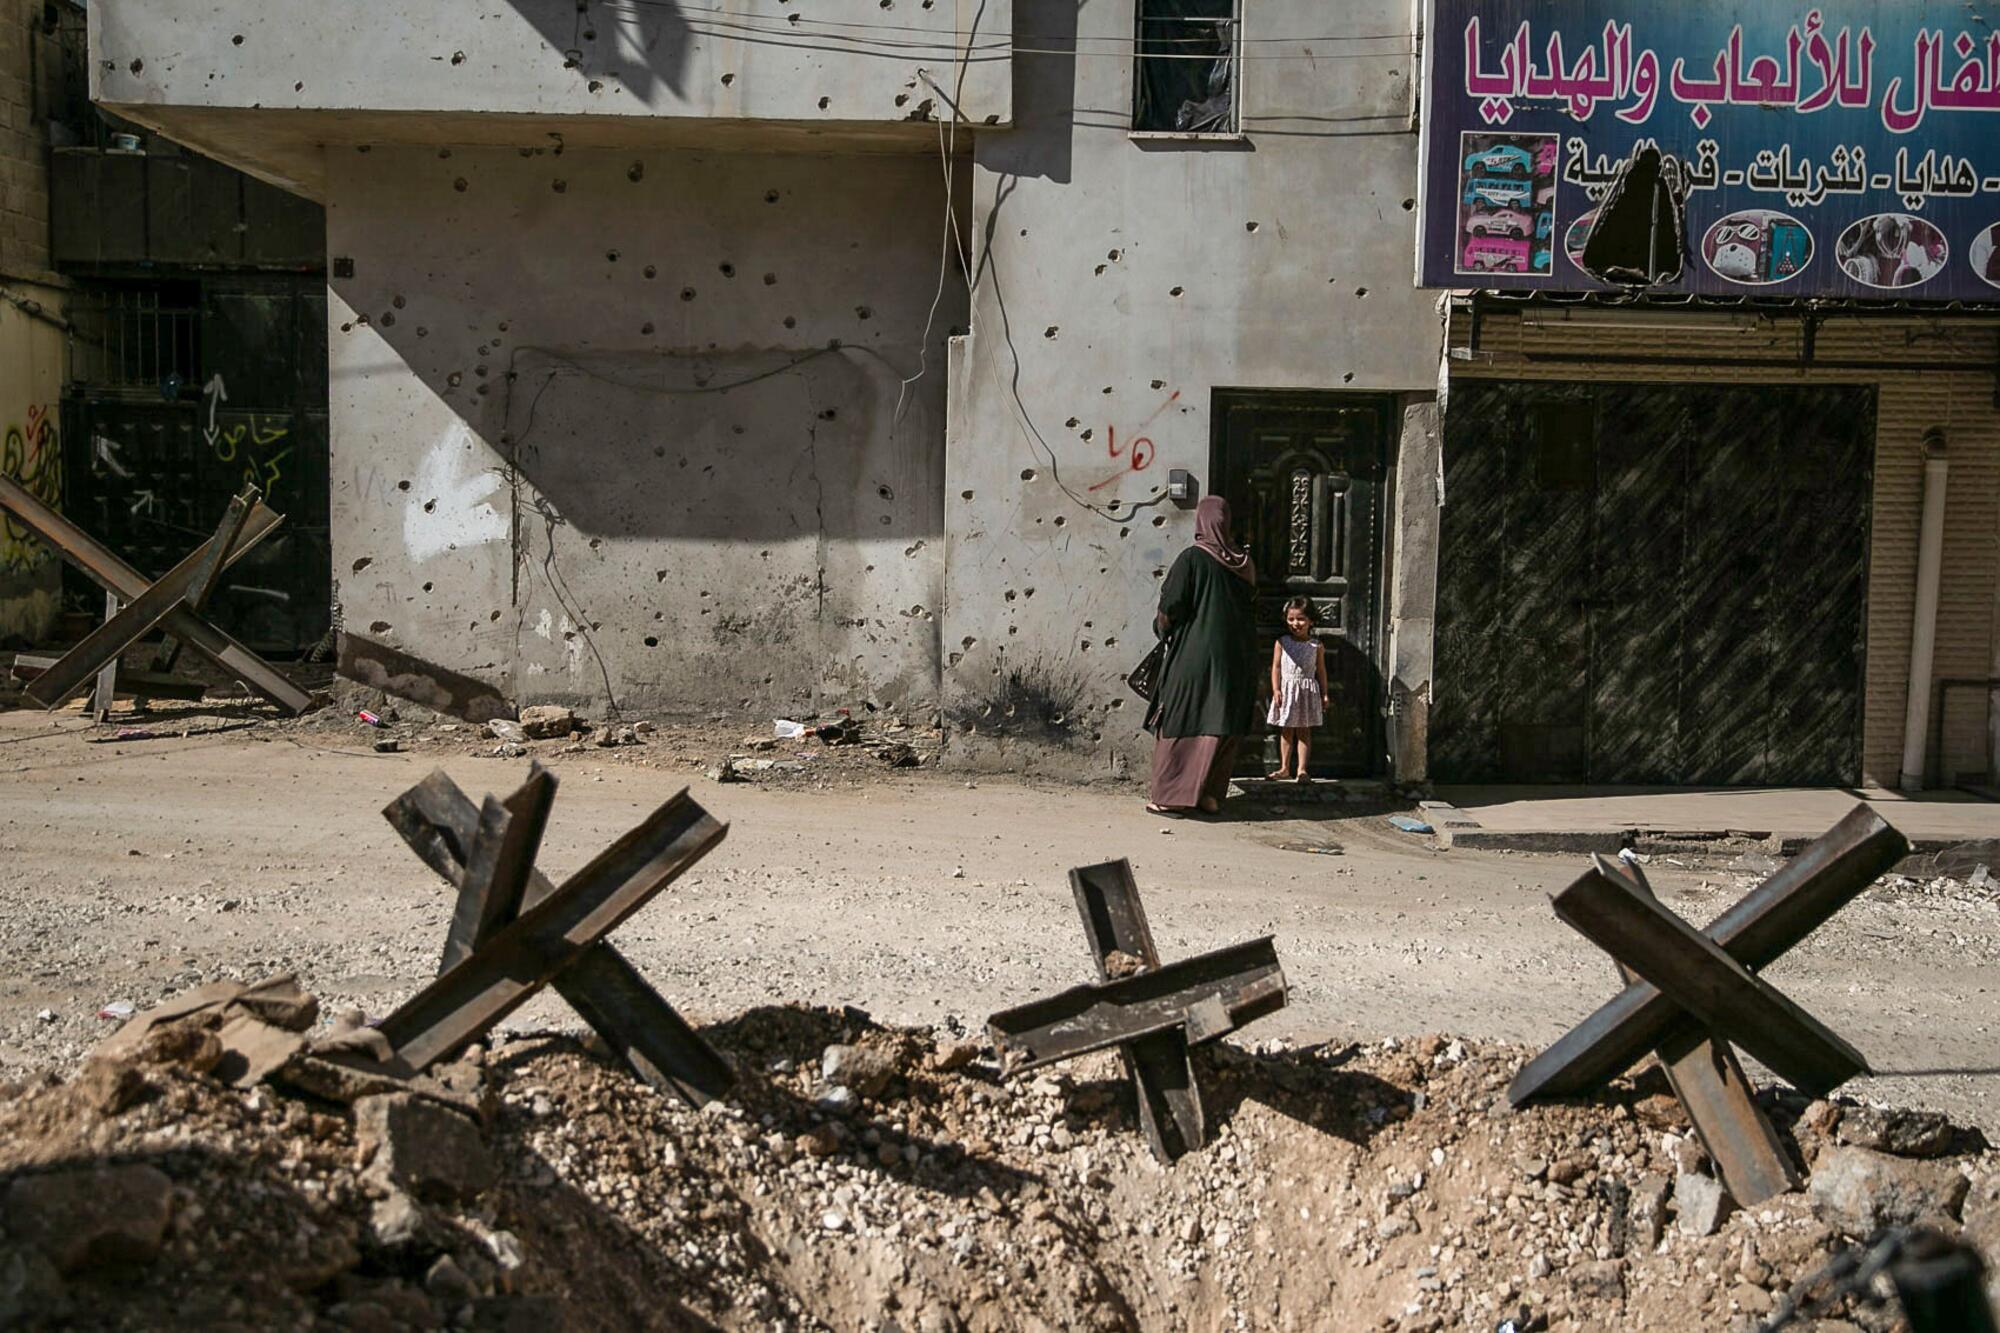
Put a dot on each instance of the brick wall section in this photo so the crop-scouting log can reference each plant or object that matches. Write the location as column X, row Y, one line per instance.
column 29, row 65
column 1908, row 403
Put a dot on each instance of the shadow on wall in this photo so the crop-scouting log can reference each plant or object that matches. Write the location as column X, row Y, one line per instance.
column 643, row 47
column 1044, row 95
column 747, row 445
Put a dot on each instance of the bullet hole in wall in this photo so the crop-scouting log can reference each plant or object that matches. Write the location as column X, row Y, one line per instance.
column 379, row 627
column 427, row 587
column 430, row 506
column 1249, row 226
column 458, row 57
column 863, row 312
column 965, row 495
column 825, row 102
column 363, row 563
column 652, row 641
column 1088, row 431
column 402, row 485
column 885, row 492
column 902, row 99
column 1061, row 521
column 636, row 172
column 771, row 196
column 659, row 576
column 1160, row 521
column 1010, row 594
column 455, row 379
column 728, row 79
column 1099, row 270
column 595, row 86
column 790, row 322
column 687, row 293
column 1159, row 384
column 559, row 185
column 1348, row 378
column 398, row 301
column 493, row 616
column 388, row 318
column 652, row 272
column 610, row 256
column 727, row 270
column 1361, row 291
column 1113, row 255
column 829, row 414
column 1176, row 291
column 237, row 40
column 1027, row 474
column 137, row 66
column 770, row 279
column 1409, row 205
column 1051, row 330
column 299, row 87
column 646, row 329
column 423, row 332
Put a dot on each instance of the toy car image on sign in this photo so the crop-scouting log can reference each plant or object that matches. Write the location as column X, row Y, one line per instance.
column 1506, row 191
column 1845, row 148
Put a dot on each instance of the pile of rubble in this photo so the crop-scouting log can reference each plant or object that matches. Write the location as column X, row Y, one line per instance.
column 860, row 1176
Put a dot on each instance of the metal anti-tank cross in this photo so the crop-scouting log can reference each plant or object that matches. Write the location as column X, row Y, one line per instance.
column 1690, row 994
column 173, row 602
column 513, row 932
column 1152, row 1013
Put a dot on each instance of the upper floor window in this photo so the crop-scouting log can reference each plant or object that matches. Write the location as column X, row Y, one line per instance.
column 1188, row 68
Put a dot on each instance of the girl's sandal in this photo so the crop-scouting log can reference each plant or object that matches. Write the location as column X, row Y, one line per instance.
column 1165, row 813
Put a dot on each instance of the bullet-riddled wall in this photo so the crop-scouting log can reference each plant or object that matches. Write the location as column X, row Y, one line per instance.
column 1122, row 281
column 658, row 427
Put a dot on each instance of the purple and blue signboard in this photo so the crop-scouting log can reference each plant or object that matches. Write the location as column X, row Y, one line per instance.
column 1839, row 150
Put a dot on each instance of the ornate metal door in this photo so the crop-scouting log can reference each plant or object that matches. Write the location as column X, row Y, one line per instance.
column 1303, row 474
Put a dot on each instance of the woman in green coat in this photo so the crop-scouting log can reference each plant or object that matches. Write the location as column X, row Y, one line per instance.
column 1207, row 694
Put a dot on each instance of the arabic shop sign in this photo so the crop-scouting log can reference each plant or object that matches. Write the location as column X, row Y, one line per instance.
column 1847, row 149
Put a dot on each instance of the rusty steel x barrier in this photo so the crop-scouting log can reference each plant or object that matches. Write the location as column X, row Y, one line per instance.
column 513, row 931
column 1152, row 1013
column 173, row 602
column 1690, row 994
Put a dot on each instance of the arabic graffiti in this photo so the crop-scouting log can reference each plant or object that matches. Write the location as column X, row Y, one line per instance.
column 251, row 437
column 1825, row 116
column 1137, row 451
column 32, row 455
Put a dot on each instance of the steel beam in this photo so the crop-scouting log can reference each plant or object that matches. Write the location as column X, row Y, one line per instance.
column 440, row 823
column 1160, row 1067
column 123, row 628
column 115, row 576
column 496, row 872
column 1205, row 996
column 1695, row 973
column 217, row 554
column 1829, row 873
column 1718, row 1097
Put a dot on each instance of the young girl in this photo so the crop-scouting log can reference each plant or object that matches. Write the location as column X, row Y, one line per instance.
column 1298, row 690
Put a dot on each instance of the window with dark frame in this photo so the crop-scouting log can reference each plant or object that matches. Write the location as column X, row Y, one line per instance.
column 1186, row 73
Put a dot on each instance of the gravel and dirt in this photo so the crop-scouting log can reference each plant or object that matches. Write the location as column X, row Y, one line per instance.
column 863, row 895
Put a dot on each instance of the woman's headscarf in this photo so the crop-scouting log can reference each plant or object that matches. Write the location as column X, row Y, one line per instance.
column 1211, row 534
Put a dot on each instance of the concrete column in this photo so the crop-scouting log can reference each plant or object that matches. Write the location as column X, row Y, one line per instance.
column 1413, row 589
column 1923, row 630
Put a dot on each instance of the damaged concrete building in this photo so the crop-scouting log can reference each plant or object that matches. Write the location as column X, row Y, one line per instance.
column 751, row 358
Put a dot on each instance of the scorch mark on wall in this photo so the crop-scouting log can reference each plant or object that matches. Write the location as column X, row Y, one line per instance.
column 32, row 455
column 448, row 505
column 1138, row 452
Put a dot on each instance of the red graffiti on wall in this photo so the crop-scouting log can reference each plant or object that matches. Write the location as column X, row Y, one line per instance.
column 1138, row 454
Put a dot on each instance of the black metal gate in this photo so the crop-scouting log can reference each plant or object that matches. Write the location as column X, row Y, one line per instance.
column 185, row 392
column 1304, row 476
column 1652, row 584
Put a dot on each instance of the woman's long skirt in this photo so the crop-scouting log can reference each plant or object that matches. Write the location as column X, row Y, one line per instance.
column 1189, row 769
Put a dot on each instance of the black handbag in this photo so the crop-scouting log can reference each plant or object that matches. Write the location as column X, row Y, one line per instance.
column 1145, row 678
